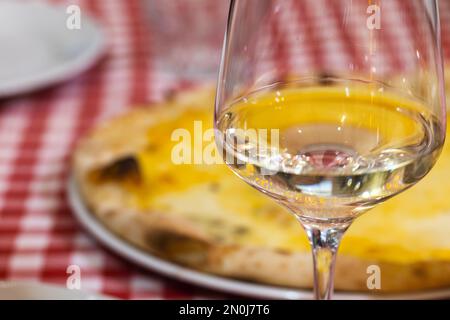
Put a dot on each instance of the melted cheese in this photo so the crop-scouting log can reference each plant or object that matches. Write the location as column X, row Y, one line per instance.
column 413, row 226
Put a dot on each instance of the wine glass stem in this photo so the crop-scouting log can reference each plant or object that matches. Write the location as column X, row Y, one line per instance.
column 325, row 243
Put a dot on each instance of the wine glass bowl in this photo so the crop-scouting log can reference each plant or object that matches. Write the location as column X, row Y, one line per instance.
column 331, row 133
column 320, row 151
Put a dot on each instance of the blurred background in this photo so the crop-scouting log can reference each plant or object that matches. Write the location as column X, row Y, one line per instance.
column 56, row 83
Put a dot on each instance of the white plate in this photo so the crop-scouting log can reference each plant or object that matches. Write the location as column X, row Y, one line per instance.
column 11, row 290
column 151, row 262
column 37, row 48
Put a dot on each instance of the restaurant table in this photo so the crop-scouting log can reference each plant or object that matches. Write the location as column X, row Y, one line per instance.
column 39, row 236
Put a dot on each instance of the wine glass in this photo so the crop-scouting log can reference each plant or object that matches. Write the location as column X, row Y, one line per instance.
column 331, row 107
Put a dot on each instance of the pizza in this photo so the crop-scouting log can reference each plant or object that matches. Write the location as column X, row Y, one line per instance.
column 202, row 216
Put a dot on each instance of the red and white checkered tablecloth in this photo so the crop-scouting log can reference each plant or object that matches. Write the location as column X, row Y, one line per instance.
column 39, row 237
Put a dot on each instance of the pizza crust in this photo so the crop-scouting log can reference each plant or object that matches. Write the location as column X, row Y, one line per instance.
column 180, row 240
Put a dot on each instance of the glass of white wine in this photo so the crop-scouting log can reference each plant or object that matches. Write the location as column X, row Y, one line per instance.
column 331, row 107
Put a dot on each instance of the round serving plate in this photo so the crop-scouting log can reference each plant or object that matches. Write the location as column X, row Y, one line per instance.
column 40, row 48
column 232, row 286
column 24, row 290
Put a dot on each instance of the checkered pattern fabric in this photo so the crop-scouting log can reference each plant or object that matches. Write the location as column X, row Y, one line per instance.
column 39, row 237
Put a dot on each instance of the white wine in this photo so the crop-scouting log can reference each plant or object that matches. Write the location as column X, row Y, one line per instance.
column 329, row 152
